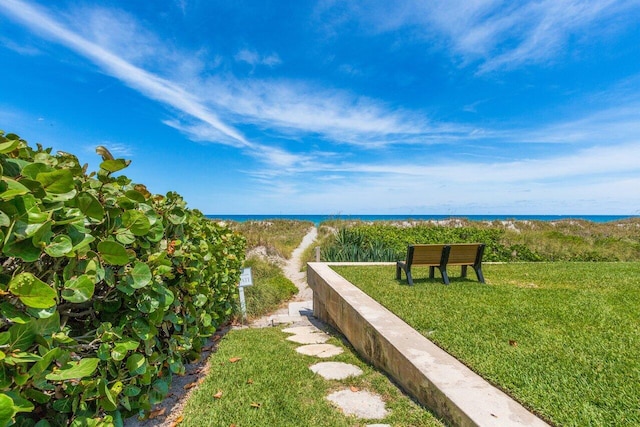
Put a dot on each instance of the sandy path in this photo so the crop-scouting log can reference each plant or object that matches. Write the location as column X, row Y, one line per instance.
column 292, row 267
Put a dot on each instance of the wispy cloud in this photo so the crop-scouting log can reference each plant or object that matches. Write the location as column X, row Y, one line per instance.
column 496, row 34
column 253, row 58
column 147, row 83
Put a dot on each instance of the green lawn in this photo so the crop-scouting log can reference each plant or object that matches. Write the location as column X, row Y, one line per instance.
column 271, row 385
column 562, row 338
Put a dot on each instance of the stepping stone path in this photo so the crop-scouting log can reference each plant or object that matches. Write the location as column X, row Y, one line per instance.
column 359, row 403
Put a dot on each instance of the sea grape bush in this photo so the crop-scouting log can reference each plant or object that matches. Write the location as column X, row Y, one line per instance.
column 105, row 289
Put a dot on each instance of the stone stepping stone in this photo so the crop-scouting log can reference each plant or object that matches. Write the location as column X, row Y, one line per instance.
column 310, row 338
column 336, row 370
column 300, row 329
column 362, row 403
column 320, row 350
column 302, row 308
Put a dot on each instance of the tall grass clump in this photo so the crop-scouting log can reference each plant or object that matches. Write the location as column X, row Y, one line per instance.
column 356, row 245
column 278, row 236
column 271, row 288
column 566, row 240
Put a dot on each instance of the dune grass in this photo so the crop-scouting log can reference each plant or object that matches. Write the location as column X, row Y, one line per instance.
column 270, row 288
column 271, row 385
column 279, row 236
column 562, row 338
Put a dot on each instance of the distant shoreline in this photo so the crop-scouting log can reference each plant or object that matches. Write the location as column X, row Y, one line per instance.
column 317, row 219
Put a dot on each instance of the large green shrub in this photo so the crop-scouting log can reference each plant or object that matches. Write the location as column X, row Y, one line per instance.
column 105, row 289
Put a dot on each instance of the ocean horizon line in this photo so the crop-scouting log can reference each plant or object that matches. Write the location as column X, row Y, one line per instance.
column 319, row 218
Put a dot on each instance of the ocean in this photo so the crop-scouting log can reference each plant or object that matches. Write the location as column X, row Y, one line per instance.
column 317, row 219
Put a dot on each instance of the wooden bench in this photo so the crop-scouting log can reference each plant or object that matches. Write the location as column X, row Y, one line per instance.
column 441, row 256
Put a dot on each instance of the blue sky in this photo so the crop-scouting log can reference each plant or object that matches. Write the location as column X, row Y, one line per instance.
column 334, row 107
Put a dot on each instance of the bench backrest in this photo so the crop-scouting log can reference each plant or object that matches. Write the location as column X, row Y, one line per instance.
column 464, row 253
column 424, row 254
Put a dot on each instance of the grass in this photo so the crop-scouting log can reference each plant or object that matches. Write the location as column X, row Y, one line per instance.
column 279, row 236
column 565, row 240
column 270, row 288
column 272, row 385
column 562, row 338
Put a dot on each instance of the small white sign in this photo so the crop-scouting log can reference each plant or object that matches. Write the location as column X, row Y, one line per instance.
column 245, row 278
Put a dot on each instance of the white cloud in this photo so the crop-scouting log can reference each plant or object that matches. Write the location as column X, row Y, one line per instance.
column 499, row 34
column 149, row 84
column 253, row 58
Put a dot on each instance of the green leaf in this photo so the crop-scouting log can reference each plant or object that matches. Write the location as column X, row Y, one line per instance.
column 114, row 165
column 63, row 405
column 177, row 216
column 32, row 291
column 14, row 189
column 78, row 290
column 7, row 411
column 18, row 403
column 21, row 337
column 42, row 313
column 122, row 347
column 60, row 246
column 59, row 181
column 108, row 402
column 132, row 390
column 125, row 236
column 11, row 313
column 8, row 146
column 45, row 361
column 22, row 249
column 113, row 253
column 136, row 196
column 33, row 169
column 141, row 328
column 90, row 206
column 159, row 390
column 81, row 369
column 137, row 222
column 140, row 276
column 136, row 364
column 5, row 221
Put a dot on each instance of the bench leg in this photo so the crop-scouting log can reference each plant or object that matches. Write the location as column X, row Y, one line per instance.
column 402, row 266
column 445, row 277
column 409, row 278
column 479, row 274
column 431, row 272
column 463, row 271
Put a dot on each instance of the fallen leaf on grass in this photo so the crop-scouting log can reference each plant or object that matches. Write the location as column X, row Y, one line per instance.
column 354, row 389
column 513, row 343
column 218, row 395
column 256, row 405
column 177, row 421
column 249, row 381
column 235, row 359
column 157, row 413
column 190, row 385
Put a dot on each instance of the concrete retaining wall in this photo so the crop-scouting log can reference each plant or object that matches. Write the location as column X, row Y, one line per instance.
column 432, row 376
